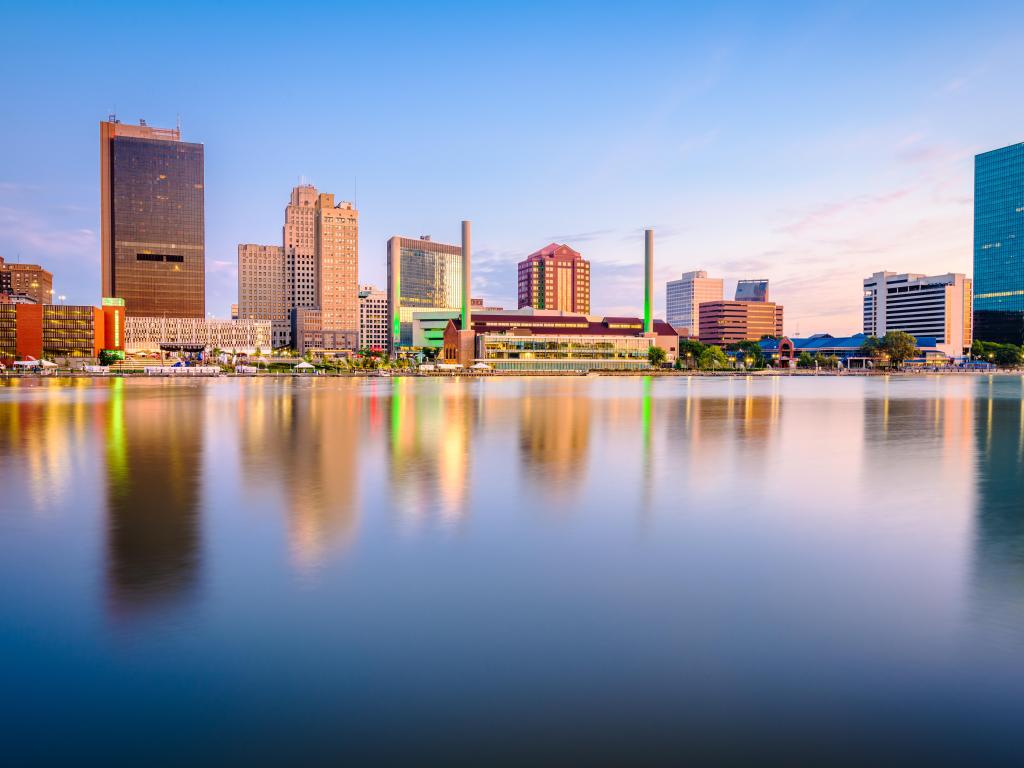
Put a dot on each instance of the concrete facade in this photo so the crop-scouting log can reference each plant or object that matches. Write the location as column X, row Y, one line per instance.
column 730, row 322
column 263, row 289
column 555, row 277
column 939, row 306
column 684, row 296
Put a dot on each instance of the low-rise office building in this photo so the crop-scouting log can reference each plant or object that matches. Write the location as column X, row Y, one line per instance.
column 556, row 341
column 373, row 318
column 196, row 334
column 730, row 322
column 60, row 331
column 783, row 350
column 26, row 280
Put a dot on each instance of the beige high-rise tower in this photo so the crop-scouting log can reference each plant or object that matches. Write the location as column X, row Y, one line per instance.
column 337, row 244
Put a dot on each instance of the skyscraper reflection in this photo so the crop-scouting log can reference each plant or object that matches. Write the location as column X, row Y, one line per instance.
column 554, row 434
column 300, row 440
column 154, row 452
column 429, row 440
column 998, row 561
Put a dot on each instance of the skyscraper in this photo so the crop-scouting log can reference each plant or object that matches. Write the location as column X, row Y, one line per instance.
column 423, row 275
column 999, row 245
column 263, row 288
column 555, row 277
column 321, row 253
column 684, row 296
column 152, row 228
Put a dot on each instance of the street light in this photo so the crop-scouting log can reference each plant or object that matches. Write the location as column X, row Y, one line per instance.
column 62, row 297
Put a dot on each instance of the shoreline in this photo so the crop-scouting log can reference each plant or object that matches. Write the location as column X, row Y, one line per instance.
column 517, row 374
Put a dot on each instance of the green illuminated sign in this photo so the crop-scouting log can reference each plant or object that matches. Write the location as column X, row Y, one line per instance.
column 112, row 302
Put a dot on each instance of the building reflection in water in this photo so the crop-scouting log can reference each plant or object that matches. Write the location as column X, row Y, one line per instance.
column 554, row 435
column 431, row 426
column 299, row 444
column 998, row 557
column 154, row 451
column 44, row 430
column 711, row 433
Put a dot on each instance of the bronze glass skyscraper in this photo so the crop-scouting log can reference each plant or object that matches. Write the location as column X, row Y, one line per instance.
column 153, row 235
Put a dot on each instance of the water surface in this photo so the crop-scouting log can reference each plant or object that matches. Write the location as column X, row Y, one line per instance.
column 522, row 570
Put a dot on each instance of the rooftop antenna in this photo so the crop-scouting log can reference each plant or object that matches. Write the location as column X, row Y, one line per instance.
column 178, row 125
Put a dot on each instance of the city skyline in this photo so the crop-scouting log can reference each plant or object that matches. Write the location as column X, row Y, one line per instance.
column 851, row 170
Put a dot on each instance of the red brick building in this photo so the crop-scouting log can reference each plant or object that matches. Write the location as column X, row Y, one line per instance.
column 555, row 277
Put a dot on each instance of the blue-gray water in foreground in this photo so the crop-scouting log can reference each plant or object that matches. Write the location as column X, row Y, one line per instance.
column 592, row 570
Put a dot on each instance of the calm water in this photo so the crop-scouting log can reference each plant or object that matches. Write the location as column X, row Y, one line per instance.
column 620, row 570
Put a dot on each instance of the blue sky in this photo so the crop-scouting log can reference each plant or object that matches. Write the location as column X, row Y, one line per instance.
column 810, row 144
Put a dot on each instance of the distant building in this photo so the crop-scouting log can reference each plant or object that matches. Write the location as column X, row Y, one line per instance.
column 29, row 280
column 730, row 322
column 263, row 289
column 548, row 340
column 684, row 296
column 59, row 330
column 195, row 334
column 555, row 277
column 783, row 349
column 423, row 275
column 234, row 311
column 373, row 318
column 752, row 290
column 999, row 245
column 938, row 307
column 152, row 232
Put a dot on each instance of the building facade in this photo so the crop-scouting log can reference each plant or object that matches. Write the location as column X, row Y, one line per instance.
column 938, row 306
column 549, row 340
column 59, row 331
column 153, row 250
column 684, row 296
column 152, row 334
column 263, row 289
column 752, row 290
column 29, row 280
column 373, row 318
column 730, row 322
column 337, row 242
column 999, row 245
column 423, row 275
column 555, row 277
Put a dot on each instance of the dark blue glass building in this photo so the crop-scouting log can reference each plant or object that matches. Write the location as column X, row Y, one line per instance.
column 999, row 245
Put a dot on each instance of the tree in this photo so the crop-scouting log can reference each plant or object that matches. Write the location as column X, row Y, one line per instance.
column 690, row 351
column 656, row 356
column 872, row 347
column 751, row 351
column 899, row 346
column 712, row 358
column 978, row 349
column 805, row 360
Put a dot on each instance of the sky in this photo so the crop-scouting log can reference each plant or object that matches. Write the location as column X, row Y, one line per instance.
column 809, row 143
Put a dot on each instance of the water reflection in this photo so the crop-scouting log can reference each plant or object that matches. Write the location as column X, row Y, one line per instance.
column 300, row 446
column 998, row 564
column 429, row 450
column 153, row 449
column 554, row 436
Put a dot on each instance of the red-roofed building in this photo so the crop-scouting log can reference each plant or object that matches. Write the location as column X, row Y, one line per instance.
column 555, row 277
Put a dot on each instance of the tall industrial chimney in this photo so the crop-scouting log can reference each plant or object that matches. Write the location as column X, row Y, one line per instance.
column 467, row 301
column 648, row 279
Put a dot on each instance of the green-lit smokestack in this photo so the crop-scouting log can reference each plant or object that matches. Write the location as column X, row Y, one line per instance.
column 648, row 279
column 467, row 318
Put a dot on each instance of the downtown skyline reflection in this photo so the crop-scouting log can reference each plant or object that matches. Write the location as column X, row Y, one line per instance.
column 464, row 562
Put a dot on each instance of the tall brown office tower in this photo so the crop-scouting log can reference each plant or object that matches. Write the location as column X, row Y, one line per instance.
column 321, row 252
column 152, row 226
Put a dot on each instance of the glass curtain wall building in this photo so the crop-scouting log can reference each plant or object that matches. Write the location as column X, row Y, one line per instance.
column 153, row 232
column 422, row 276
column 999, row 245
